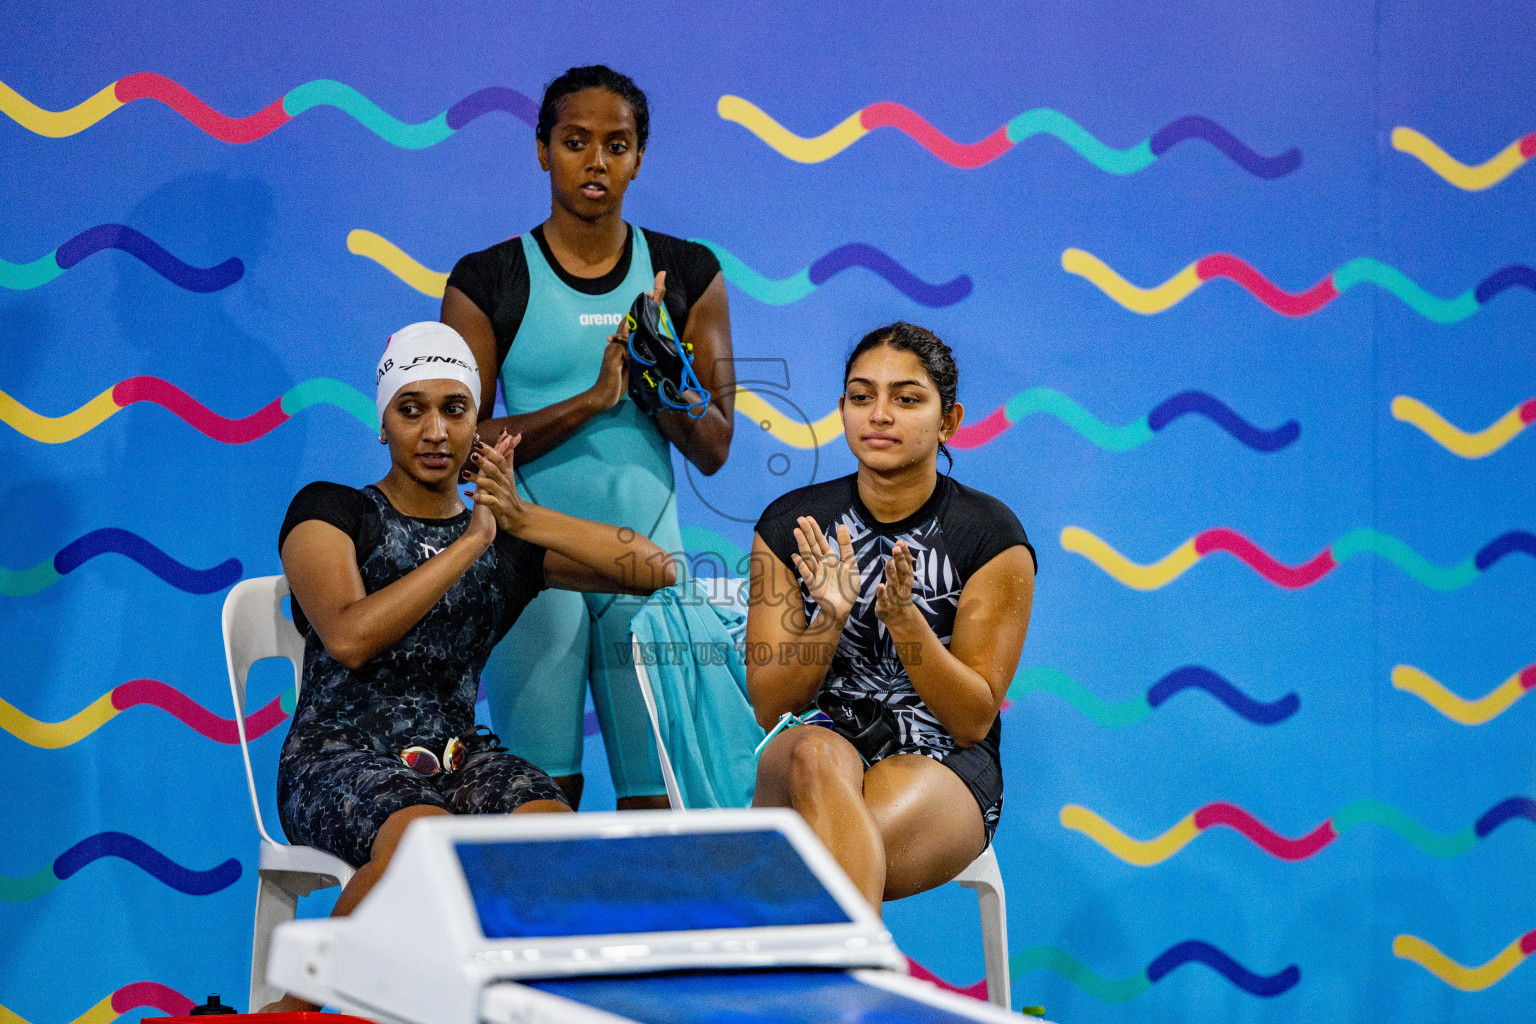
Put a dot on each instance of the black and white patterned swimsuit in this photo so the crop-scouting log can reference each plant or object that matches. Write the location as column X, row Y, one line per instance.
column 956, row 532
column 339, row 774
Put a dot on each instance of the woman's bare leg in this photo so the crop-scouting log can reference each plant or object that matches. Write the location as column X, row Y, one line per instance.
column 367, row 876
column 929, row 823
column 820, row 775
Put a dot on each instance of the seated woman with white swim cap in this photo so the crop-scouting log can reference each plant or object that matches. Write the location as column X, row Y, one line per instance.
column 401, row 593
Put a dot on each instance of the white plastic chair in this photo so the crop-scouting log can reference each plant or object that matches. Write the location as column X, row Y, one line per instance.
column 982, row 875
column 254, row 629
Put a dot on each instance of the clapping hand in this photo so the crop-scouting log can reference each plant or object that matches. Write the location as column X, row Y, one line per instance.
column 495, row 492
column 828, row 569
column 893, row 596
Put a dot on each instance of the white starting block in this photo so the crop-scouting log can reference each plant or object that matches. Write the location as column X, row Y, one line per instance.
column 649, row 917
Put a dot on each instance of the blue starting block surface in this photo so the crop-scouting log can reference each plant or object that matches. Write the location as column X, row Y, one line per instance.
column 775, row 996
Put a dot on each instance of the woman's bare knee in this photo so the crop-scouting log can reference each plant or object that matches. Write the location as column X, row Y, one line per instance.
column 542, row 807
column 394, row 827
column 823, row 759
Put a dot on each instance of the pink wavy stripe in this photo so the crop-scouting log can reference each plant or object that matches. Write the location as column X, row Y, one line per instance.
column 149, row 993
column 1292, row 577
column 918, row 971
column 1528, row 678
column 221, row 730
column 964, row 155
column 146, row 85
column 199, row 416
column 1261, row 835
column 979, row 433
column 1291, row 304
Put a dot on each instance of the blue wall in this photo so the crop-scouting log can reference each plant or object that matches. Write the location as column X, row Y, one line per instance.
column 1311, row 738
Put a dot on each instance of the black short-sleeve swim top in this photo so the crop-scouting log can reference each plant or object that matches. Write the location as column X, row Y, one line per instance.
column 955, row 532
column 497, row 281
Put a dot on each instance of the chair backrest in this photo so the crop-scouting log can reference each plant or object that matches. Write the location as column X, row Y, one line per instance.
column 254, row 629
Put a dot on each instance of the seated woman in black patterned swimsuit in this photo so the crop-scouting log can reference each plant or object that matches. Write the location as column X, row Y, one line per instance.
column 401, row 593
column 893, row 640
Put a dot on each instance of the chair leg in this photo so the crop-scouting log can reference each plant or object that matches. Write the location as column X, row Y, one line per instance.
column 993, row 906
column 274, row 906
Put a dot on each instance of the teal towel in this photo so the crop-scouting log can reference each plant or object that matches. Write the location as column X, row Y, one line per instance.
column 691, row 656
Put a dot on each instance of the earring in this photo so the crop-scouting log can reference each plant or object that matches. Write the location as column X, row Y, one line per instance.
column 382, row 438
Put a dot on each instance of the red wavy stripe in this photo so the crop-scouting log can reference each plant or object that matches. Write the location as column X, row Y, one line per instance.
column 978, row 434
column 146, row 85
column 1261, row 835
column 1292, row 577
column 1528, row 411
column 1528, row 145
column 149, row 993
column 168, row 698
column 1528, row 678
column 918, row 971
column 1528, row 942
column 958, row 154
column 199, row 416
column 1223, row 264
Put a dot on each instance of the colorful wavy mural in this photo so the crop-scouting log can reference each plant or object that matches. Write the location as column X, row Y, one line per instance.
column 151, row 693
column 146, row 85
column 1176, row 289
column 1040, row 121
column 1146, row 852
column 1467, row 979
column 141, row 995
column 125, row 847
column 1469, row 445
column 1117, row 716
column 25, row 276
column 1468, row 177
column 1459, row 709
column 1171, row 566
column 112, row 540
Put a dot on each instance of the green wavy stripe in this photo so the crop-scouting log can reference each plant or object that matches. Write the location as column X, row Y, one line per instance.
column 1405, row 558
column 288, row 701
column 325, row 391
column 27, row 887
column 22, row 582
column 19, row 277
column 1378, row 813
column 1050, row 680
column 1432, row 307
column 763, row 289
column 325, row 92
column 1049, row 958
column 1054, row 403
column 1045, row 121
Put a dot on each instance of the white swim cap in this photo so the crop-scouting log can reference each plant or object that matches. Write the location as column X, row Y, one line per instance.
column 425, row 351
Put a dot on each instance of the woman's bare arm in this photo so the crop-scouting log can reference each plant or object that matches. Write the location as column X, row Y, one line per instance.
column 355, row 626
column 544, row 429
column 964, row 684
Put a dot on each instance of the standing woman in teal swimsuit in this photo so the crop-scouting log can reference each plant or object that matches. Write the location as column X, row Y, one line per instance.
column 541, row 309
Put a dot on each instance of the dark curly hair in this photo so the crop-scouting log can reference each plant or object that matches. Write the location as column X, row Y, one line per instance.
column 593, row 76
column 937, row 359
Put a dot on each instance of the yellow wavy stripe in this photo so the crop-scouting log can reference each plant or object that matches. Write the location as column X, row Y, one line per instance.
column 52, row 735
column 1142, row 577
column 1140, row 300
column 791, row 431
column 57, row 429
column 1142, row 853
column 785, row 142
column 1457, row 708
column 1453, row 438
column 1473, row 178
column 395, row 260
column 56, row 124
column 1468, row 979
column 101, row 1013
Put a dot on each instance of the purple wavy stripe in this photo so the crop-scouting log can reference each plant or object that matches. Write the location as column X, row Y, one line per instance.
column 1508, row 544
column 1507, row 810
column 1201, row 678
column 115, row 541
column 140, row 854
column 857, row 254
column 1513, row 276
column 1195, row 951
column 496, row 97
column 1196, row 127
column 152, row 254
column 1218, row 412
